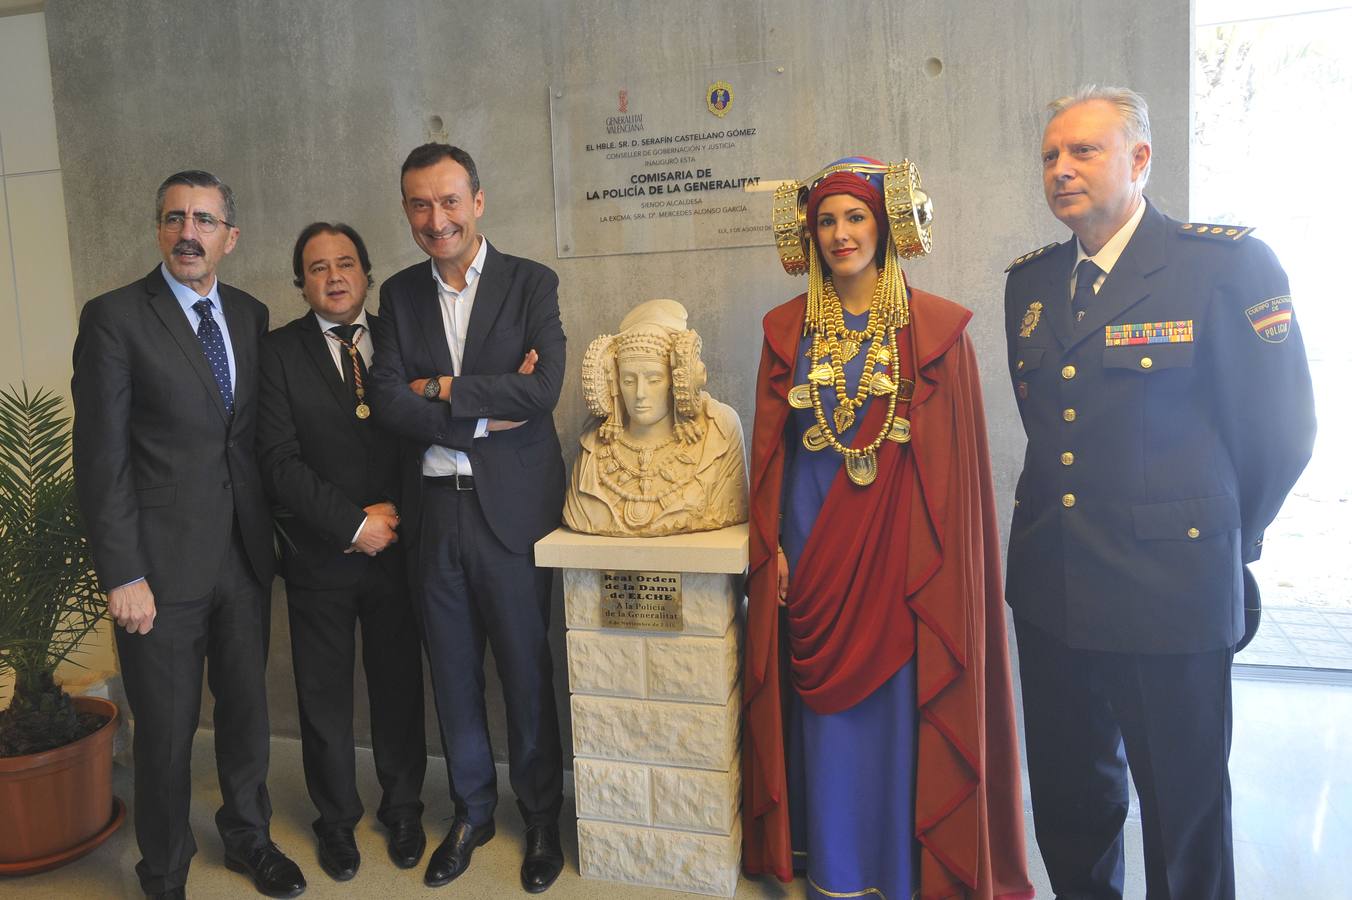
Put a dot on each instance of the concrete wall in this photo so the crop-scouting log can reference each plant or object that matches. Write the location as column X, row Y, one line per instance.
column 307, row 109
column 37, row 300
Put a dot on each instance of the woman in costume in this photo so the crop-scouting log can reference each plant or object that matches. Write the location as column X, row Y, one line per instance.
column 879, row 745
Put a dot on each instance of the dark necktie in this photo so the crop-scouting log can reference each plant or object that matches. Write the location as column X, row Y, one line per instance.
column 354, row 373
column 1085, row 276
column 213, row 344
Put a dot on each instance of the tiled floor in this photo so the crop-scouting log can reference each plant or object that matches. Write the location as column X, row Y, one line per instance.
column 1318, row 638
column 1291, row 769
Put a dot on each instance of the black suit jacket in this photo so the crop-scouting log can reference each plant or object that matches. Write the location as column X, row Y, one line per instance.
column 321, row 464
column 518, row 473
column 162, row 471
column 1152, row 469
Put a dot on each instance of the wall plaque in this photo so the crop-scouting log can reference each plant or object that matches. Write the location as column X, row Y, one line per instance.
column 682, row 161
column 641, row 601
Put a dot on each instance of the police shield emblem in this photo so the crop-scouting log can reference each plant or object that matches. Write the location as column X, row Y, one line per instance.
column 1271, row 319
column 1031, row 318
column 718, row 97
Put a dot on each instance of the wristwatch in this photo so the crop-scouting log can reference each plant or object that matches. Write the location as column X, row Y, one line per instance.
column 432, row 390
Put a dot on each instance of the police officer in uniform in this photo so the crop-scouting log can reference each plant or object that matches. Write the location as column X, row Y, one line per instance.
column 1163, row 386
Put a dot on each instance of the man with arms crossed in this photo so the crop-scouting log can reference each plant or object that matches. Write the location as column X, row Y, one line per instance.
column 165, row 390
column 1164, row 390
column 335, row 476
column 468, row 373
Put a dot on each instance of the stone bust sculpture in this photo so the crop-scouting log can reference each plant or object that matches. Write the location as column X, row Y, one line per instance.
column 661, row 456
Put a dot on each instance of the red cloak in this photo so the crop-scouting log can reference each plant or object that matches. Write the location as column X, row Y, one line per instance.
column 969, row 806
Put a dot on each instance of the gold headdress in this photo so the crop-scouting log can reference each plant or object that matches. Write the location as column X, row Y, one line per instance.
column 910, row 215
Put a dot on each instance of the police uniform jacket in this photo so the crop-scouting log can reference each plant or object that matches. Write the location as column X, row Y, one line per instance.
column 1164, row 431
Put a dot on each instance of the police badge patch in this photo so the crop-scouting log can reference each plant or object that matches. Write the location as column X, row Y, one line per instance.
column 1271, row 319
column 1030, row 319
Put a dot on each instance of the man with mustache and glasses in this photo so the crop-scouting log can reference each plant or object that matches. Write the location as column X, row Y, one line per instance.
column 468, row 373
column 165, row 391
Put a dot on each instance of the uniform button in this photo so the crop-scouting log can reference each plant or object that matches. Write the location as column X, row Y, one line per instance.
column 1068, row 373
column 1067, row 458
column 1067, row 500
column 1194, row 533
column 1146, row 362
column 1068, row 414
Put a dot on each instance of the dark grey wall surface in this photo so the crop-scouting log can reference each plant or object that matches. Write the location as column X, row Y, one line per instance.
column 307, row 108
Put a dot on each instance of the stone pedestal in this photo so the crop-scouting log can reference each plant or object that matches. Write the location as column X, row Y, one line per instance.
column 656, row 713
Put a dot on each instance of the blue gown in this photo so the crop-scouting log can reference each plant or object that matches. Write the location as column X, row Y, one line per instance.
column 851, row 774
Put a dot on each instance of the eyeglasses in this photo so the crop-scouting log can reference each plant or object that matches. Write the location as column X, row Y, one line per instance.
column 206, row 223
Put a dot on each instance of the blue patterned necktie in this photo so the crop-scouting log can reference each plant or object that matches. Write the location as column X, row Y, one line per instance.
column 213, row 344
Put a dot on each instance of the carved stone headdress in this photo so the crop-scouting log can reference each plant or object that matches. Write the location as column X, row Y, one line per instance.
column 654, row 330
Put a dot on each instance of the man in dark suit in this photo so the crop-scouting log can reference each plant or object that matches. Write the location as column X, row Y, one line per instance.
column 334, row 475
column 1164, row 390
column 165, row 390
column 482, row 481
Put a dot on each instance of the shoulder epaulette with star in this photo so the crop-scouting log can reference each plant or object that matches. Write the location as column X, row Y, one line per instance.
column 1029, row 257
column 1215, row 232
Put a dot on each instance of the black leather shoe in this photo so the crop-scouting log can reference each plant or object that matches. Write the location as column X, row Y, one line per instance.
column 407, row 841
column 451, row 858
column 177, row 893
column 544, row 858
column 273, row 874
column 338, row 854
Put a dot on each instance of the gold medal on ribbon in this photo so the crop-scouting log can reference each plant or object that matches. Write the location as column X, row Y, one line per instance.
column 800, row 396
column 900, row 430
column 862, row 469
column 363, row 411
column 814, row 438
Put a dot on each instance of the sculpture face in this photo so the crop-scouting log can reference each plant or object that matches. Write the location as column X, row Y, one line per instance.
column 645, row 387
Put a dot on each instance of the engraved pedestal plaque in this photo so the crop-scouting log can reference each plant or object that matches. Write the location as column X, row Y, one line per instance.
column 653, row 666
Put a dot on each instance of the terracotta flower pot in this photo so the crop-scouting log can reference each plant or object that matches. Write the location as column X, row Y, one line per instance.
column 59, row 805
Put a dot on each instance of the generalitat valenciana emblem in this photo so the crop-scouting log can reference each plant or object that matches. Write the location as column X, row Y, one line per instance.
column 1031, row 318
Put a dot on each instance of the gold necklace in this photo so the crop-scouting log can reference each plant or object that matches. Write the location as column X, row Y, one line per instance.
column 832, row 346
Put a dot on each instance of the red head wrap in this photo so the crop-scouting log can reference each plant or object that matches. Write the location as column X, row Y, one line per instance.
column 859, row 186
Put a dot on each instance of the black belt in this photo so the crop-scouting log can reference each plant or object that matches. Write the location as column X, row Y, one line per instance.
column 454, row 482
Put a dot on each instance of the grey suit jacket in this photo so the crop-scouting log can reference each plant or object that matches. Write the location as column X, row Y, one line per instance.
column 163, row 473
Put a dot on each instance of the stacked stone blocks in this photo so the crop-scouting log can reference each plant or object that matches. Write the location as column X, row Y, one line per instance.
column 656, row 718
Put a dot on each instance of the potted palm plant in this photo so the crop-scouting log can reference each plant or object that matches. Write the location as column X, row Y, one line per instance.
column 55, row 751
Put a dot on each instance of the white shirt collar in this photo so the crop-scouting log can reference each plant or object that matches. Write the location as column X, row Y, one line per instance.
column 1109, row 253
column 325, row 324
column 186, row 296
column 472, row 274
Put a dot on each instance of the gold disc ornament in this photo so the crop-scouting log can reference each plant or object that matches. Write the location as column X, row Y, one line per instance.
column 814, row 438
column 363, row 411
column 800, row 396
column 862, row 469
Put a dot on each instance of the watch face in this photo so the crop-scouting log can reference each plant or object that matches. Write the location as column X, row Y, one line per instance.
column 432, row 389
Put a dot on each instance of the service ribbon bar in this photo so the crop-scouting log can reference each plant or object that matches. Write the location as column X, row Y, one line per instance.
column 1179, row 332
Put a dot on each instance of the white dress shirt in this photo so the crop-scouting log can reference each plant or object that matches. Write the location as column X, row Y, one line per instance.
column 1108, row 254
column 364, row 345
column 456, row 307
